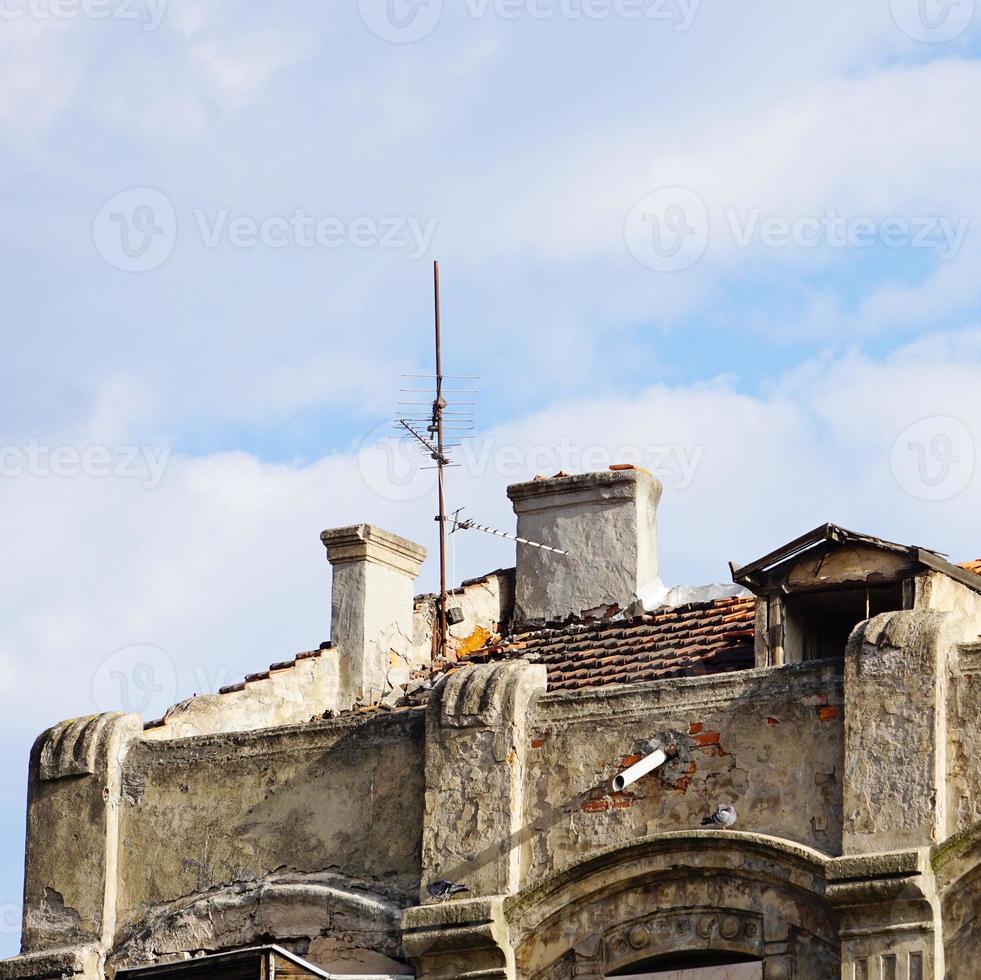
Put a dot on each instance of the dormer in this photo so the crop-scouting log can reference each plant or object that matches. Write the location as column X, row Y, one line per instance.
column 815, row 590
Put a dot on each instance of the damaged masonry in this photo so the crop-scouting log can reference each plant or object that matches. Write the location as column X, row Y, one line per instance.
column 292, row 824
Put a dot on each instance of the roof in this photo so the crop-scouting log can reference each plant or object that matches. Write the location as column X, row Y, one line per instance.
column 701, row 638
column 252, row 679
column 752, row 575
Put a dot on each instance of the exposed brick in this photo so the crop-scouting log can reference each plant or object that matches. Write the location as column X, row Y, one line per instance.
column 596, row 806
column 694, row 728
column 772, row 721
column 707, row 738
column 826, row 714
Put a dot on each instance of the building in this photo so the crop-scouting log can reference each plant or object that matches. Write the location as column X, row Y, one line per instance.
column 834, row 700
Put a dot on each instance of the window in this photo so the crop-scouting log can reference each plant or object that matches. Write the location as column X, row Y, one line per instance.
column 817, row 624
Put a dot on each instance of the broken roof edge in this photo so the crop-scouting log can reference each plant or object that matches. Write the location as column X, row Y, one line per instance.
column 835, row 534
column 274, row 670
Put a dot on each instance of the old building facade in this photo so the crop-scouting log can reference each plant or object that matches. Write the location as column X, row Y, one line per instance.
column 834, row 701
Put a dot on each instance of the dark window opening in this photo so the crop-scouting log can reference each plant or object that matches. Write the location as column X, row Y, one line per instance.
column 695, row 966
column 818, row 624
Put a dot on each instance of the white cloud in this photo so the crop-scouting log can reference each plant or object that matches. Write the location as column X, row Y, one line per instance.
column 235, row 70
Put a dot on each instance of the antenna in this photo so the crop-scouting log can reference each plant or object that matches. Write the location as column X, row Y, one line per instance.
column 469, row 525
column 429, row 431
column 439, row 406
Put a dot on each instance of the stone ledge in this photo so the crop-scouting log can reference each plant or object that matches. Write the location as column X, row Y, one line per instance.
column 71, row 961
column 459, row 940
column 365, row 542
column 877, row 865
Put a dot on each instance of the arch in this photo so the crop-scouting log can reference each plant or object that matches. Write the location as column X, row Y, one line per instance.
column 315, row 916
column 747, row 895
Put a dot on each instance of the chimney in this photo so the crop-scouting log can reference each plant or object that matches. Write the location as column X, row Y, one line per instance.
column 606, row 521
column 371, row 605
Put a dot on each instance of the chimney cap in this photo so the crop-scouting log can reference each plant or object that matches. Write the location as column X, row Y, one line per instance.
column 618, row 481
column 367, row 543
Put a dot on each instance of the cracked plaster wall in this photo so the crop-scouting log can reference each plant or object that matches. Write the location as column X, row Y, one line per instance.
column 769, row 742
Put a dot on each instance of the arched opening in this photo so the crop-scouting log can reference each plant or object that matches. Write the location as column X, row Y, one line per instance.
column 694, row 966
column 681, row 906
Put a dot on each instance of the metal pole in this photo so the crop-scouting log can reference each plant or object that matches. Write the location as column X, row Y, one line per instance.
column 438, row 407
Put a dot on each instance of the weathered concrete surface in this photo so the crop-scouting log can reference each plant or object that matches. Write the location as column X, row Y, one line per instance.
column 344, row 794
column 477, row 775
column 896, row 677
column 607, row 522
column 71, row 872
column 768, row 741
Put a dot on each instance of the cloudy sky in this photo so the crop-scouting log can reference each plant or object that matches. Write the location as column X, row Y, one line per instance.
column 736, row 243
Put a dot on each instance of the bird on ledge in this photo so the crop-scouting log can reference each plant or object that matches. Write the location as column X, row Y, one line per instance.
column 723, row 818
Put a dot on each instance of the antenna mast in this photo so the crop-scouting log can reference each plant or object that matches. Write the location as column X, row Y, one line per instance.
column 439, row 405
column 438, row 424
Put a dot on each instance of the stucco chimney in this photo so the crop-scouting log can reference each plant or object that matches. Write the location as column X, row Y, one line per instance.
column 371, row 605
column 607, row 522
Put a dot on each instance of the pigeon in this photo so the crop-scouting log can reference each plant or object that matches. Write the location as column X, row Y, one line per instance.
column 443, row 890
column 724, row 817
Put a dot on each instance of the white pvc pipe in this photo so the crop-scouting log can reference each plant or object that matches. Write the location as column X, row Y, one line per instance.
column 642, row 768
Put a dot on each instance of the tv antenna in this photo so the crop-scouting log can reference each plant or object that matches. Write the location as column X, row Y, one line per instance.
column 439, row 423
column 427, row 425
column 471, row 525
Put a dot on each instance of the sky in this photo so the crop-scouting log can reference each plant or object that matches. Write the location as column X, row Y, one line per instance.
column 735, row 243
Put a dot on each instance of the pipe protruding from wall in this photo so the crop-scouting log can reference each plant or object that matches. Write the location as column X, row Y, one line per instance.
column 639, row 769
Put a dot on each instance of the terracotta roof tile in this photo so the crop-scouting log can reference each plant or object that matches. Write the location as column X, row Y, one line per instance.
column 702, row 638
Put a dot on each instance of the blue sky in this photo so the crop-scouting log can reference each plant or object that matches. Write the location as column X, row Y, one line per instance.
column 736, row 243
